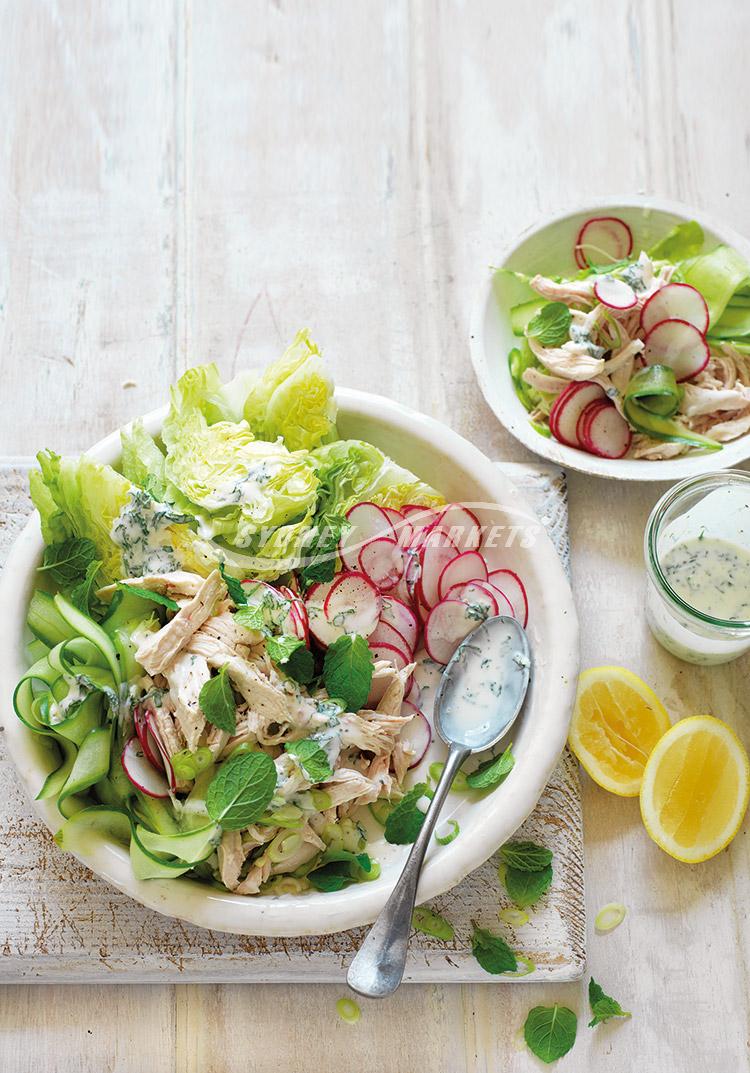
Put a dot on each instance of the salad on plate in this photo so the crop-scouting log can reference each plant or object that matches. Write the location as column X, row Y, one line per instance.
column 644, row 353
column 229, row 630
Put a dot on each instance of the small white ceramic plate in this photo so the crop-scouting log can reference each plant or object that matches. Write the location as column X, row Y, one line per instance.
column 461, row 472
column 548, row 248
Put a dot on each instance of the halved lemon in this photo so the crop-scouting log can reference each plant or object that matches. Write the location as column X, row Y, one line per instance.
column 617, row 721
column 695, row 789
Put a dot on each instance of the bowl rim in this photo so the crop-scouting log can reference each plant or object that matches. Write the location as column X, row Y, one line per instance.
column 311, row 914
column 485, row 366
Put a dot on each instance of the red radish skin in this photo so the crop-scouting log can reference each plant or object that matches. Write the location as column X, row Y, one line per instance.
column 582, row 427
column 399, row 615
column 146, row 738
column 417, row 733
column 615, row 293
column 678, row 344
column 392, row 653
column 320, row 628
column 510, row 583
column 141, row 772
column 461, row 525
column 468, row 566
column 675, row 301
column 448, row 623
column 386, row 634
column 569, row 406
column 366, row 522
column 504, row 604
column 353, row 604
column 414, row 696
column 604, row 432
column 434, row 555
column 382, row 560
column 603, row 240
column 168, row 769
column 475, row 593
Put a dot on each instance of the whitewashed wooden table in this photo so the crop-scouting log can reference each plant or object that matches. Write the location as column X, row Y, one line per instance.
column 182, row 181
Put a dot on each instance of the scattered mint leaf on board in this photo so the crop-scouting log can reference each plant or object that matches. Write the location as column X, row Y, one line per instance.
column 81, row 594
column 217, row 702
column 147, row 594
column 526, row 856
column 603, row 1006
column 67, row 561
column 241, row 790
column 429, row 923
column 551, row 325
column 312, row 757
column 526, row 888
column 492, row 772
column 492, row 952
column 293, row 656
column 405, row 820
column 550, row 1031
column 234, row 588
column 347, row 670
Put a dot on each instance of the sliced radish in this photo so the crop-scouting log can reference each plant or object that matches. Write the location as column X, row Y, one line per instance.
column 479, row 596
column 414, row 696
column 510, row 583
column 503, row 601
column 437, row 551
column 676, row 301
column 321, row 629
column 568, row 407
column 468, row 566
column 399, row 615
column 678, row 344
column 461, row 525
column 383, row 561
column 146, row 738
column 163, row 752
column 392, row 653
column 353, row 604
column 402, row 592
column 385, row 633
column 603, row 432
column 602, row 240
column 296, row 622
column 421, row 519
column 275, row 605
column 615, row 293
column 449, row 622
column 366, row 522
column 417, row 733
column 142, row 772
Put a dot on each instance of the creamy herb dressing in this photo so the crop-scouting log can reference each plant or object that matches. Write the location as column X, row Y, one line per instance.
column 141, row 530
column 712, row 576
column 77, row 693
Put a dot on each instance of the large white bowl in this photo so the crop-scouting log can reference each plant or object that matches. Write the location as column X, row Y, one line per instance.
column 461, row 472
column 548, row 248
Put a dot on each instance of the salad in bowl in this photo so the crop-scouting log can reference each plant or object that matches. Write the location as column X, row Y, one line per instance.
column 234, row 633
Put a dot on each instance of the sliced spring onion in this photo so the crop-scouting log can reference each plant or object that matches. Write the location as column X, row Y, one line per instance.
column 525, row 967
column 286, row 885
column 288, row 816
column 284, row 846
column 348, row 1011
column 321, row 800
column 184, row 765
column 429, row 923
column 609, row 917
column 380, row 810
column 448, row 835
column 516, row 918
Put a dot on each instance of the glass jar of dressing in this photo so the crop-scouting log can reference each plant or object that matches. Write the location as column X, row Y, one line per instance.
column 697, row 550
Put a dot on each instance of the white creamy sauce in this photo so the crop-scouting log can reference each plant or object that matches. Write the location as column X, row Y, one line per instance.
column 140, row 530
column 712, row 576
column 78, row 692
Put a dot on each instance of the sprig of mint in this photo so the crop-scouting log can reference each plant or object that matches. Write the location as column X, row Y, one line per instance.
column 82, row 594
column 492, row 952
column 148, row 594
column 217, row 702
column 347, row 670
column 492, row 772
column 241, row 790
column 550, row 1031
column 526, row 888
column 312, row 757
column 603, row 1006
column 67, row 561
column 339, row 868
column 293, row 656
column 429, row 923
column 234, row 588
column 252, row 617
column 320, row 553
column 551, row 325
column 526, row 856
column 404, row 821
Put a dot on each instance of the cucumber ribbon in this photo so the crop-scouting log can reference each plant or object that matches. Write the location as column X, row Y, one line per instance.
column 651, row 399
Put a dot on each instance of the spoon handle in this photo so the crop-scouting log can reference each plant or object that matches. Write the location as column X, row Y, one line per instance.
column 378, row 967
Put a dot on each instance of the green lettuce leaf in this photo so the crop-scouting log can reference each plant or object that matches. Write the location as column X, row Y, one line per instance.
column 142, row 461
column 293, row 398
column 683, row 241
column 717, row 275
column 351, row 471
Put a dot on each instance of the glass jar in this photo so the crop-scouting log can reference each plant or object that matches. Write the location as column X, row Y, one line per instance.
column 697, row 551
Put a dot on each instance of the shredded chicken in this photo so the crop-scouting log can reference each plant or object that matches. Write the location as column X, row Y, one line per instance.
column 572, row 292
column 177, row 583
column 160, row 649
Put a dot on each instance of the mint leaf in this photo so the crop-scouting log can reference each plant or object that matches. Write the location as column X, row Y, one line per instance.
column 429, row 923
column 241, row 790
column 551, row 325
column 217, row 702
column 492, row 952
column 404, row 821
column 147, row 594
column 82, row 593
column 347, row 670
column 492, row 772
column 234, row 588
column 252, row 618
column 526, row 856
column 550, row 1031
column 603, row 1006
column 525, row 888
column 293, row 656
column 321, row 551
column 312, row 757
column 338, row 869
column 67, row 561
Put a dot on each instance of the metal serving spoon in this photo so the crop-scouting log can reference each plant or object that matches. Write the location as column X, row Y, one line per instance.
column 480, row 695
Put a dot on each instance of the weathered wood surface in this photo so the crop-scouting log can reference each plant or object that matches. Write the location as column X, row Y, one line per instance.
column 188, row 180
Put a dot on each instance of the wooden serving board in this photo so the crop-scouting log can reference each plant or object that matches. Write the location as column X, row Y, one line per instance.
column 61, row 923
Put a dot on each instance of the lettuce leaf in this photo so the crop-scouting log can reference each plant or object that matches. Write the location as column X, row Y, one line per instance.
column 142, row 461
column 293, row 398
column 717, row 275
column 683, row 241
column 351, row 471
